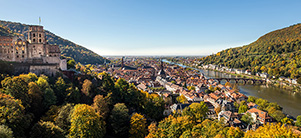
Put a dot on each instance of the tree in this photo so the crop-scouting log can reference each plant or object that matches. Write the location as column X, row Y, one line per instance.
column 119, row 120
column 36, row 97
column 298, row 121
column 6, row 132
column 46, row 130
column 100, row 105
column 138, row 126
column 71, row 63
column 60, row 90
column 182, row 99
column 247, row 118
column 271, row 130
column 242, row 109
column 18, row 88
column 87, row 87
column 197, row 111
column 299, row 80
column 49, row 98
column 73, row 95
column 287, row 120
column 234, row 132
column 63, row 119
column 12, row 114
column 85, row 122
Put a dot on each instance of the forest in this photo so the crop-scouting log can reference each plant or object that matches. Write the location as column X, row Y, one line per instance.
column 99, row 105
column 277, row 53
column 68, row 48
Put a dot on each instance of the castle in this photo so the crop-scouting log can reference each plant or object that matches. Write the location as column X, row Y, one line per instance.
column 32, row 55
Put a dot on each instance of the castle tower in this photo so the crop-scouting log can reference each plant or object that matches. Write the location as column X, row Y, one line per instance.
column 37, row 41
column 36, row 34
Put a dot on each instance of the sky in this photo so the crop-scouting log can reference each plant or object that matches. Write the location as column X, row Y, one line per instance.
column 156, row 27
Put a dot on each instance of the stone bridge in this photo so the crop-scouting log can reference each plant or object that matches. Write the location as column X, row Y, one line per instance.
column 241, row 80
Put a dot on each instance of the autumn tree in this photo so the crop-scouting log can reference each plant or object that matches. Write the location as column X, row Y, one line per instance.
column 18, row 88
column 182, row 99
column 100, row 105
column 85, row 122
column 119, row 120
column 36, row 96
column 46, row 130
column 271, row 130
column 197, row 111
column 12, row 114
column 137, row 126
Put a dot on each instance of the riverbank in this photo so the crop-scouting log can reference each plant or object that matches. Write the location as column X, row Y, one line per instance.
column 287, row 99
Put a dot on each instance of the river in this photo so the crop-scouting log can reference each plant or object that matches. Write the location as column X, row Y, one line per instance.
column 290, row 102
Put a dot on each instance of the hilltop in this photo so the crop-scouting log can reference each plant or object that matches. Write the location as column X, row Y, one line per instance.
column 278, row 53
column 68, row 48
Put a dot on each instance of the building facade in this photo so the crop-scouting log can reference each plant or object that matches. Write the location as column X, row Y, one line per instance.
column 34, row 52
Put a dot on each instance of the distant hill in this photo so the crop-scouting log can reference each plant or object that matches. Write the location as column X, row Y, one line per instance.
column 278, row 53
column 68, row 48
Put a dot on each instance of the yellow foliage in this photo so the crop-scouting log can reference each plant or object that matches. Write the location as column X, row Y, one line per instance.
column 271, row 130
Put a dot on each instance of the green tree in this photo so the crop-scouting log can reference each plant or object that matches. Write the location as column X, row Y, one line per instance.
column 197, row 111
column 36, row 96
column 119, row 120
column 247, row 118
column 73, row 95
column 12, row 114
column 85, row 122
column 46, row 130
column 60, row 90
column 49, row 98
column 138, row 126
column 71, row 63
column 6, row 132
column 18, row 88
column 298, row 121
column 63, row 119
column 242, row 109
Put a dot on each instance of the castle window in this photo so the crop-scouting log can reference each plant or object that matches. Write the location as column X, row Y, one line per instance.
column 16, row 52
column 40, row 40
column 50, row 55
column 22, row 56
column 17, row 56
column 34, row 35
column 23, row 52
column 40, row 35
column 34, row 40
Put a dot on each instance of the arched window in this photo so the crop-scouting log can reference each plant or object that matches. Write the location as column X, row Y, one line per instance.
column 34, row 40
column 40, row 35
column 34, row 35
column 40, row 40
